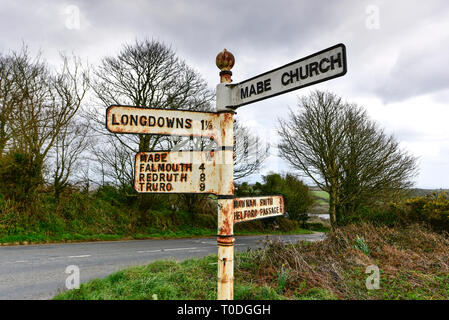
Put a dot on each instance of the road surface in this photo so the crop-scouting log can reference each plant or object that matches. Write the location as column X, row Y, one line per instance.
column 38, row 271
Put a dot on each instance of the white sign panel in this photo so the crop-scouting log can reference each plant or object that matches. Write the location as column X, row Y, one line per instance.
column 318, row 67
column 126, row 119
column 251, row 208
column 176, row 172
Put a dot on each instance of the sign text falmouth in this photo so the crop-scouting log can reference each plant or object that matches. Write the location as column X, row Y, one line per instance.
column 175, row 172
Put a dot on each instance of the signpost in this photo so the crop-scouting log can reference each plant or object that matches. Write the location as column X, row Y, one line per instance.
column 212, row 171
column 246, row 209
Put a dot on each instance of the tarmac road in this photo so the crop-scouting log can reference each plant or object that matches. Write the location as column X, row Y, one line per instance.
column 38, row 271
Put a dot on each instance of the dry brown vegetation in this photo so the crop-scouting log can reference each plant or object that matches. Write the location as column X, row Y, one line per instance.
column 413, row 263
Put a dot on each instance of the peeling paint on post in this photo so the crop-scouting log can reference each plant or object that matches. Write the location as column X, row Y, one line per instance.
column 213, row 171
column 225, row 172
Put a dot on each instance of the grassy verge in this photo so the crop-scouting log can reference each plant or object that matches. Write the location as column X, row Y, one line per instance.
column 412, row 263
column 37, row 238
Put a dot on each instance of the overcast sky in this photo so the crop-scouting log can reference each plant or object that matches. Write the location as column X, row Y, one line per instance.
column 397, row 53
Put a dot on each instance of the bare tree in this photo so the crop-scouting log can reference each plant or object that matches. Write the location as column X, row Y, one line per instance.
column 149, row 74
column 115, row 163
column 8, row 98
column 344, row 153
column 44, row 103
column 250, row 152
column 69, row 146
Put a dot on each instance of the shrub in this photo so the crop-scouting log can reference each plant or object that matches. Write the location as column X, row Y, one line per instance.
column 297, row 196
column 431, row 209
column 378, row 216
column 20, row 175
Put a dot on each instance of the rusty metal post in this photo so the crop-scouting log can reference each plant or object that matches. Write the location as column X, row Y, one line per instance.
column 225, row 236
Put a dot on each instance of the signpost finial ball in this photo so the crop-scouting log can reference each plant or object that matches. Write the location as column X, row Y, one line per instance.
column 225, row 60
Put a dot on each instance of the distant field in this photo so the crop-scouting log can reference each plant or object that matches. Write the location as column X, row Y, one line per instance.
column 321, row 197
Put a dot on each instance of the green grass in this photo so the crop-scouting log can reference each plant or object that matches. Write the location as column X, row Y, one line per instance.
column 154, row 234
column 193, row 279
column 412, row 264
column 321, row 197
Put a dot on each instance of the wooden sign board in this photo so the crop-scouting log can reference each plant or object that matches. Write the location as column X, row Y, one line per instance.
column 176, row 172
column 251, row 208
column 142, row 120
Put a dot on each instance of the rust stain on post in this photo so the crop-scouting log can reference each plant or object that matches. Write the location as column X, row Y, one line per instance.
column 225, row 61
column 225, row 240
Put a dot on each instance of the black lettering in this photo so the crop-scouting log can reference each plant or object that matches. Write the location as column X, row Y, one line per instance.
column 133, row 120
column 336, row 60
column 160, row 122
column 151, row 121
column 179, row 123
column 259, row 87
column 188, row 123
column 323, row 70
column 124, row 119
column 170, row 122
column 267, row 85
column 114, row 121
column 285, row 82
column 244, row 93
column 313, row 68
column 306, row 75
column 252, row 90
column 143, row 120
column 294, row 75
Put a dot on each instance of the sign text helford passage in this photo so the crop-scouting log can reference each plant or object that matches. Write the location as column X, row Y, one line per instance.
column 252, row 208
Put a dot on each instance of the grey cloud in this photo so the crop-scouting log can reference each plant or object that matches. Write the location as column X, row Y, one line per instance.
column 261, row 34
column 417, row 71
